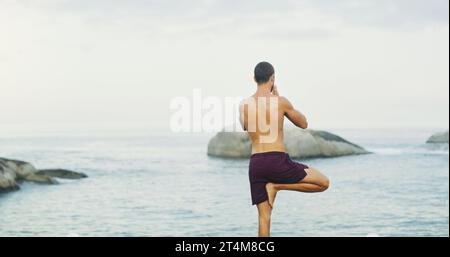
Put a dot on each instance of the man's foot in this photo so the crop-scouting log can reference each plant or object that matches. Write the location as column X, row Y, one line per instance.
column 271, row 193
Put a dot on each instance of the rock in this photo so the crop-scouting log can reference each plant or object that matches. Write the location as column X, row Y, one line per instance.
column 42, row 179
column 20, row 168
column 230, row 144
column 7, row 178
column 12, row 172
column 438, row 138
column 58, row 173
column 313, row 144
column 299, row 144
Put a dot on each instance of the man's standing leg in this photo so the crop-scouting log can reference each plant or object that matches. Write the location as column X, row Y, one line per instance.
column 264, row 212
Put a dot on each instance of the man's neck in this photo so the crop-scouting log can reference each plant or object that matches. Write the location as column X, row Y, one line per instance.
column 263, row 89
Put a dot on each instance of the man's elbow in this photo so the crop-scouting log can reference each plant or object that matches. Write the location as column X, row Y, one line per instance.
column 304, row 125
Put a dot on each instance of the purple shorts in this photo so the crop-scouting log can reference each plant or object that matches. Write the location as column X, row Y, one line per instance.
column 275, row 167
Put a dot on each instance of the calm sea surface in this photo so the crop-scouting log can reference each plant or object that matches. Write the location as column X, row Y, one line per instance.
column 166, row 185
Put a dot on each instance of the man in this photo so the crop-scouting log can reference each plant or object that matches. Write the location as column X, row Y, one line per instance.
column 270, row 168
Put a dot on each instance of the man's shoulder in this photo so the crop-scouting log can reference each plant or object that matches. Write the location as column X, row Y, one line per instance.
column 247, row 100
column 252, row 100
column 283, row 100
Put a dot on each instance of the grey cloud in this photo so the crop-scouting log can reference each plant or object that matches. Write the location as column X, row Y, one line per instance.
column 251, row 16
column 374, row 12
column 390, row 13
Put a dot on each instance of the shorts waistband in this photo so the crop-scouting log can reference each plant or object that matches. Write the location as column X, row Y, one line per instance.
column 268, row 154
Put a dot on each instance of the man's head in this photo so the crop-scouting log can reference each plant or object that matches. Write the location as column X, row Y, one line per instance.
column 264, row 72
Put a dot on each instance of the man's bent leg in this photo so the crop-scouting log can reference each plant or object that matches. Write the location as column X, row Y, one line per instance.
column 264, row 213
column 313, row 182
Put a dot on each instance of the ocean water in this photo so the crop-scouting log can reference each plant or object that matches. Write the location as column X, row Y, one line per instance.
column 166, row 185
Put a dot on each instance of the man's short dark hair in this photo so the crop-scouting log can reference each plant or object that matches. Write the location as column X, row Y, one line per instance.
column 263, row 72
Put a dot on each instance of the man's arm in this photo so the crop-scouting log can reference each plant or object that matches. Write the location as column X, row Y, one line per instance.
column 292, row 114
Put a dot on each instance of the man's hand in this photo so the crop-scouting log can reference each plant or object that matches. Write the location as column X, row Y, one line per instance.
column 275, row 91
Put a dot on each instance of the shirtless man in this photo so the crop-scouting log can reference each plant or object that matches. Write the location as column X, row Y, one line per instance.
column 270, row 168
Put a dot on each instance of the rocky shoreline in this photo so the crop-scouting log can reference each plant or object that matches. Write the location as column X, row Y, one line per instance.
column 14, row 172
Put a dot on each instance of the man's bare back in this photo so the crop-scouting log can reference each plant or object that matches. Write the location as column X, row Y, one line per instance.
column 266, row 120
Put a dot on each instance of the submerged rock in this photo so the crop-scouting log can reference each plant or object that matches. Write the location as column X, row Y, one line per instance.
column 438, row 138
column 299, row 144
column 12, row 172
column 59, row 173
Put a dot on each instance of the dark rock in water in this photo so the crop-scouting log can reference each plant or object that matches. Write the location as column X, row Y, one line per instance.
column 13, row 171
column 9, row 189
column 299, row 144
column 438, row 138
column 59, row 173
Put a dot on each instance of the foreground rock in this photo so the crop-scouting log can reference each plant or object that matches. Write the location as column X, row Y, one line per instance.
column 438, row 138
column 59, row 173
column 12, row 172
column 299, row 144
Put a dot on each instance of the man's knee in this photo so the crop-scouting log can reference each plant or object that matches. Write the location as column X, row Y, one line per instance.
column 325, row 184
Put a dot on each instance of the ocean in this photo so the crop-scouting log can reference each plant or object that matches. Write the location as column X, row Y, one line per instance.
column 164, row 184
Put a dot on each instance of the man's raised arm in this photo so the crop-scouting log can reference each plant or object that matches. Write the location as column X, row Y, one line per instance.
column 293, row 115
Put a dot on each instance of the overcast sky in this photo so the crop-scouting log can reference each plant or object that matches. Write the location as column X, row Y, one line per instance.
column 344, row 63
